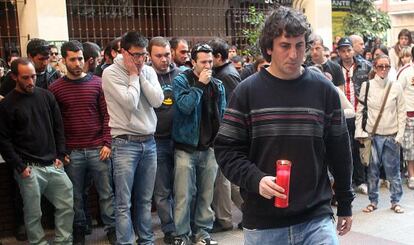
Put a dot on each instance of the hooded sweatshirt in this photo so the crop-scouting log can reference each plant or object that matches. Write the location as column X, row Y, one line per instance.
column 131, row 99
column 165, row 111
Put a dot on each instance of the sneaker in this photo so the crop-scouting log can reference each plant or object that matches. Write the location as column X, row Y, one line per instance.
column 168, row 238
column 181, row 241
column 410, row 183
column 111, row 235
column 207, row 241
column 363, row 189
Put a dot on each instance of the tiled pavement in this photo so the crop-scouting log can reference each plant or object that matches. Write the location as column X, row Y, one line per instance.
column 382, row 227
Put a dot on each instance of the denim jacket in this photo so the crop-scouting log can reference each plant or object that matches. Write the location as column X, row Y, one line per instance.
column 188, row 106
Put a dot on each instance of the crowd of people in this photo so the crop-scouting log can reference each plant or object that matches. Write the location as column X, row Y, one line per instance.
column 195, row 131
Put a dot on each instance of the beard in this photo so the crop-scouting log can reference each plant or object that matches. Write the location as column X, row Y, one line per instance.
column 74, row 71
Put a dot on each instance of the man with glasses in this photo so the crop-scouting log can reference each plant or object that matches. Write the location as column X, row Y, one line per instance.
column 199, row 106
column 56, row 60
column 355, row 72
column 38, row 51
column 160, row 55
column 132, row 91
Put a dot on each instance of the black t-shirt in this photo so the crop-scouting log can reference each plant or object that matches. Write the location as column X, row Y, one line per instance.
column 335, row 70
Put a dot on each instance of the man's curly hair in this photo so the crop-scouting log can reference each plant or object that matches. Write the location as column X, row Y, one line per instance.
column 283, row 21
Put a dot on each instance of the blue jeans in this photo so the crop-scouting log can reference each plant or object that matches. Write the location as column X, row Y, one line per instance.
column 163, row 190
column 384, row 152
column 194, row 176
column 55, row 185
column 320, row 230
column 135, row 166
column 85, row 162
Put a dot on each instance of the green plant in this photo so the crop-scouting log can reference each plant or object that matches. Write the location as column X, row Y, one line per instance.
column 366, row 20
column 255, row 20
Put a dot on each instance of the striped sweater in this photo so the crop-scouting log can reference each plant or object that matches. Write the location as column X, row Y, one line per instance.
column 300, row 120
column 84, row 112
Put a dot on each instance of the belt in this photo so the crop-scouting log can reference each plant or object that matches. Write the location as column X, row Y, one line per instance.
column 135, row 138
column 37, row 164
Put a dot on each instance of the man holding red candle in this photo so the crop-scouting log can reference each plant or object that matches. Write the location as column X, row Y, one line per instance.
column 287, row 112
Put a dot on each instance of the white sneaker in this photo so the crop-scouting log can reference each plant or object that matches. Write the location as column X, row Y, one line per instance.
column 410, row 183
column 363, row 189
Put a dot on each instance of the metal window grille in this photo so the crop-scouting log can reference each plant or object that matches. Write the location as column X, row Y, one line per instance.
column 9, row 28
column 101, row 21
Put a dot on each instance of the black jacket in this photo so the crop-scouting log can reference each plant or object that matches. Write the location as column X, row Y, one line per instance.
column 229, row 76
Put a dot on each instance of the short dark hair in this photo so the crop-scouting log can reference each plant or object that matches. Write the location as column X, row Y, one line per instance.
column 90, row 50
column 221, row 47
column 237, row 59
column 175, row 41
column 14, row 67
column 12, row 53
column 73, row 46
column 198, row 48
column 53, row 46
column 159, row 42
column 133, row 39
column 283, row 21
column 37, row 46
column 115, row 44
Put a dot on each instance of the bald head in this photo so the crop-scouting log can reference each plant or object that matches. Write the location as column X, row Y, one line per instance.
column 358, row 44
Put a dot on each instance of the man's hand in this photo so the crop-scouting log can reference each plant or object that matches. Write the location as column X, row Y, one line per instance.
column 269, row 189
column 66, row 161
column 58, row 163
column 205, row 76
column 104, row 153
column 130, row 64
column 344, row 225
column 26, row 172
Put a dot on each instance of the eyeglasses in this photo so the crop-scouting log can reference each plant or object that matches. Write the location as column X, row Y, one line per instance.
column 53, row 53
column 137, row 56
column 383, row 67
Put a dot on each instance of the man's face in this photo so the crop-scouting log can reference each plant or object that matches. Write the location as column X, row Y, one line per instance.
column 358, row 45
column 54, row 55
column 232, row 52
column 204, row 61
column 317, row 52
column 287, row 56
column 180, row 54
column 40, row 62
column 139, row 56
column 26, row 79
column 346, row 54
column 161, row 58
column 74, row 63
column 238, row 66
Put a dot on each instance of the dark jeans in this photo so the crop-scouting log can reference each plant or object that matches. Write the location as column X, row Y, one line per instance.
column 359, row 175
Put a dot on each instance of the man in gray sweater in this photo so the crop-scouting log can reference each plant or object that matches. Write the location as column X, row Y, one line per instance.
column 132, row 91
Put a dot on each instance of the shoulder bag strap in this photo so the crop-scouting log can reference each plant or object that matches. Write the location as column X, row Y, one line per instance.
column 374, row 129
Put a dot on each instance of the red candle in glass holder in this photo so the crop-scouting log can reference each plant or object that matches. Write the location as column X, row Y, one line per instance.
column 283, row 168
